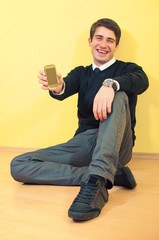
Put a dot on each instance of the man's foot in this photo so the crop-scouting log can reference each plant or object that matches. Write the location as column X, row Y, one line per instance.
column 124, row 178
column 90, row 200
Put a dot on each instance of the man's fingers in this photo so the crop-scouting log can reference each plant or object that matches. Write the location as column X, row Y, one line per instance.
column 43, row 82
column 99, row 111
column 42, row 75
column 45, row 88
column 104, row 110
column 109, row 107
column 42, row 72
column 95, row 110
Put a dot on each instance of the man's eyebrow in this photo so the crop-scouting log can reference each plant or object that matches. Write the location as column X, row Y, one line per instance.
column 98, row 35
column 109, row 38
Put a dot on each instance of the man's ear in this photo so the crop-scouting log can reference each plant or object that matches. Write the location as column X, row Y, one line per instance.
column 89, row 41
column 116, row 47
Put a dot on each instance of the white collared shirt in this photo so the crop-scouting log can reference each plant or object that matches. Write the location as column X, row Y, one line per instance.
column 105, row 65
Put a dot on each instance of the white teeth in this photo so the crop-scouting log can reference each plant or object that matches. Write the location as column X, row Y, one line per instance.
column 101, row 51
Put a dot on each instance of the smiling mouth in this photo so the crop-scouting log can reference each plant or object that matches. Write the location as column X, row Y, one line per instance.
column 102, row 51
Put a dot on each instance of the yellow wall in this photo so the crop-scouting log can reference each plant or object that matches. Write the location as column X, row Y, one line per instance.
column 35, row 33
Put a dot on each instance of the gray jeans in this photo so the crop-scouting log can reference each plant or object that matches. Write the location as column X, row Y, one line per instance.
column 95, row 151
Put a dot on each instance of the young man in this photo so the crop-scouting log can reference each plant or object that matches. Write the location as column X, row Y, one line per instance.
column 96, row 156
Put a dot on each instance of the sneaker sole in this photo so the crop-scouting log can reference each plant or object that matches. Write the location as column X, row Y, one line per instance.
column 76, row 216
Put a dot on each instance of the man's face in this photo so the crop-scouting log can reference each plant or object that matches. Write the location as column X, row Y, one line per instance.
column 103, row 45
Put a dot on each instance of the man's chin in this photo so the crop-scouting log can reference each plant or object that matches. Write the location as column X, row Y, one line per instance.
column 101, row 61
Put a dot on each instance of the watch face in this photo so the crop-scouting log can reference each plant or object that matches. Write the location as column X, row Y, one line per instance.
column 108, row 82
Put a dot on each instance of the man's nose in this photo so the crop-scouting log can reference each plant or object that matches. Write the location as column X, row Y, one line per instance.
column 103, row 43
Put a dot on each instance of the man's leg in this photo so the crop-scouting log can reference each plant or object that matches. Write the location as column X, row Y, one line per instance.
column 63, row 164
column 114, row 141
column 123, row 176
column 114, row 144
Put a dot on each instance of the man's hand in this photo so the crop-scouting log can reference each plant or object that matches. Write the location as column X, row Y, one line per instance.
column 43, row 81
column 103, row 102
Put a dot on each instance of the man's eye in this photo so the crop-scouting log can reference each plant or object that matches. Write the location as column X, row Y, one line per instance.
column 110, row 41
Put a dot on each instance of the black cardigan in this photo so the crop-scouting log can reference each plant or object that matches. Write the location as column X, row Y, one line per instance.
column 82, row 80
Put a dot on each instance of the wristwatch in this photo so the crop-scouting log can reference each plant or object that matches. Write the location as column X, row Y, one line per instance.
column 110, row 83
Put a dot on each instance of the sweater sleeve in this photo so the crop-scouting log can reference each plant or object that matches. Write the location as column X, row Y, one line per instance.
column 132, row 79
column 72, row 84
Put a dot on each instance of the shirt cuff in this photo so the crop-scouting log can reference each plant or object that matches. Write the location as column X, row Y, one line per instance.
column 117, row 84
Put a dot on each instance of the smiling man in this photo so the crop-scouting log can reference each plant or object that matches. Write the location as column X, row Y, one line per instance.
column 103, row 45
column 96, row 156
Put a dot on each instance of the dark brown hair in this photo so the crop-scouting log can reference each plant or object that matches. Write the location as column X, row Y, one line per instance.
column 108, row 23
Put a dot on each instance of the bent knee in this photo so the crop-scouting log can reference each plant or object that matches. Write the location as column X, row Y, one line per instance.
column 16, row 169
column 121, row 95
column 121, row 99
column 13, row 169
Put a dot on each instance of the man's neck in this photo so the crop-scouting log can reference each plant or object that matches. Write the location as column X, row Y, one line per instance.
column 105, row 65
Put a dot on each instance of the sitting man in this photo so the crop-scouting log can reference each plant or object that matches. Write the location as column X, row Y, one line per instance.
column 96, row 156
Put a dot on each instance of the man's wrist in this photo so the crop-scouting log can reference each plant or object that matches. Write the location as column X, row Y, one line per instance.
column 61, row 91
column 109, row 82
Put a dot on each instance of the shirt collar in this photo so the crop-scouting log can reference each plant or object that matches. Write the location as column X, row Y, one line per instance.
column 105, row 65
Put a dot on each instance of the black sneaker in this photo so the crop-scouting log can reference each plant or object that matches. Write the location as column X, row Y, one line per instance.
column 124, row 178
column 91, row 199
